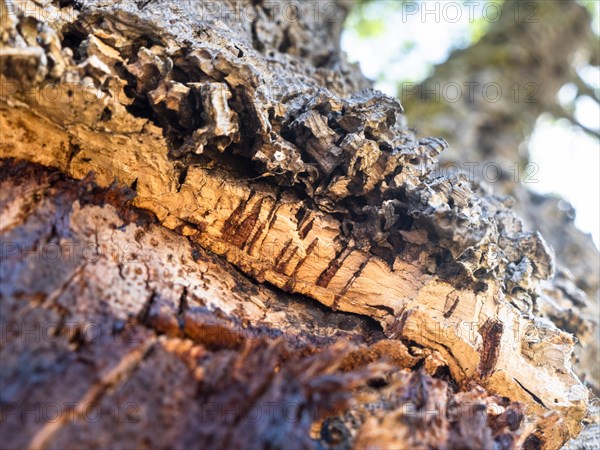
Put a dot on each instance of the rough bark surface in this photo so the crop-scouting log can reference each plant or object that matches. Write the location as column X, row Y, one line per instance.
column 253, row 141
column 141, row 339
column 530, row 53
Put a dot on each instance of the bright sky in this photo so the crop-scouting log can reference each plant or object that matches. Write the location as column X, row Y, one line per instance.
column 568, row 159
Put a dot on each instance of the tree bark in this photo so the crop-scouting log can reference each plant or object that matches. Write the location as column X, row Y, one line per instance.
column 528, row 54
column 375, row 305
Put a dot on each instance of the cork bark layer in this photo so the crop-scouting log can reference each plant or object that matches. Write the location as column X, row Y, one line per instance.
column 367, row 292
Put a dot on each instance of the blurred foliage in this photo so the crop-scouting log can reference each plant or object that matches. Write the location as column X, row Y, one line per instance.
column 477, row 28
column 375, row 20
column 593, row 6
column 367, row 18
column 372, row 20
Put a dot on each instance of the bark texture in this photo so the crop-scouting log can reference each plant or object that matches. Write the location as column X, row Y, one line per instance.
column 215, row 139
column 141, row 339
column 530, row 53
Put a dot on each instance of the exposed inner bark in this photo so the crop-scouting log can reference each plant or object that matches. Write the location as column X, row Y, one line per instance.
column 179, row 337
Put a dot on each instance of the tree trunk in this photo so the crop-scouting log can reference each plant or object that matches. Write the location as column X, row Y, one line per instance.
column 214, row 236
column 527, row 55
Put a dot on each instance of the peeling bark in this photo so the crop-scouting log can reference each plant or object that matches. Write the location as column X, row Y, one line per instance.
column 530, row 53
column 104, row 338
